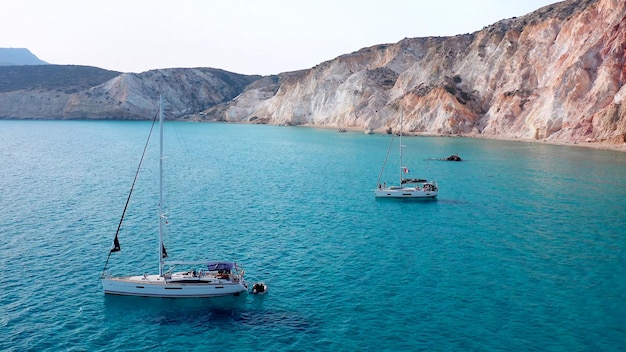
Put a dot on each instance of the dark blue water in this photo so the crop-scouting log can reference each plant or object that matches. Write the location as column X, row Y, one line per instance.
column 523, row 250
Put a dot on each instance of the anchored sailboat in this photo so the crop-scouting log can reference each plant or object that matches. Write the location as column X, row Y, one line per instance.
column 204, row 278
column 409, row 187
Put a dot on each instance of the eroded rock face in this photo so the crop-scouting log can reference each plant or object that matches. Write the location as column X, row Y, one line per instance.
column 557, row 73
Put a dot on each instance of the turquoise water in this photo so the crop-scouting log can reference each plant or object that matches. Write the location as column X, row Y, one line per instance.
column 523, row 250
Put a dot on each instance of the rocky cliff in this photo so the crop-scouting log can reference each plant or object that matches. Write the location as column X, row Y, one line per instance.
column 555, row 74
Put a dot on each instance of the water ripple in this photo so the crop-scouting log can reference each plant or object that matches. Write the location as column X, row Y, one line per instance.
column 510, row 257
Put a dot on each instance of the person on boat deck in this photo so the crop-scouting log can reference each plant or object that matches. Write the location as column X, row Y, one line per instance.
column 379, row 186
column 222, row 274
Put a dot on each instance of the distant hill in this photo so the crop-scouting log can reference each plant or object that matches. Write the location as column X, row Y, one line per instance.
column 65, row 78
column 18, row 56
column 85, row 92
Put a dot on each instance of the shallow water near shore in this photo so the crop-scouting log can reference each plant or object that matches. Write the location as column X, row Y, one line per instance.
column 523, row 249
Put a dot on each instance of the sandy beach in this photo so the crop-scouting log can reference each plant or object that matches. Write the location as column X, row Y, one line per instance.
column 595, row 145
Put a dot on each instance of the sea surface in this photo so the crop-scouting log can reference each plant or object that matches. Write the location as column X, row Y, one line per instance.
column 524, row 250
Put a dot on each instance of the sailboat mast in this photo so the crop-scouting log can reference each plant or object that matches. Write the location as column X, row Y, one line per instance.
column 401, row 166
column 161, row 186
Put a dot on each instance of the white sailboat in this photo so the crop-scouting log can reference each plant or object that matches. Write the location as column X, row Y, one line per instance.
column 203, row 278
column 408, row 187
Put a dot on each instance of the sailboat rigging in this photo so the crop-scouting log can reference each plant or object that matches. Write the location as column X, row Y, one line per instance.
column 206, row 279
column 408, row 187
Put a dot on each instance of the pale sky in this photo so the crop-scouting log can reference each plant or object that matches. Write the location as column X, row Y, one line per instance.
column 243, row 36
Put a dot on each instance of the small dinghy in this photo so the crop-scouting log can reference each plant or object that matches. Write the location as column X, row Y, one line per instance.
column 259, row 288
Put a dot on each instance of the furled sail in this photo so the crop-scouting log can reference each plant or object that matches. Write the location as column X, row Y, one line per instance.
column 116, row 245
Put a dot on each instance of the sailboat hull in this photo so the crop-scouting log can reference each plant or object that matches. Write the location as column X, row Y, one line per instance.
column 404, row 193
column 156, row 286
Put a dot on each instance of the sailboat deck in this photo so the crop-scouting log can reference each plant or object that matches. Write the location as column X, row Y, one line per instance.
column 179, row 278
